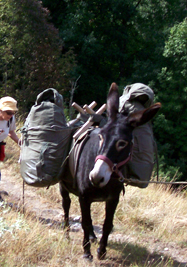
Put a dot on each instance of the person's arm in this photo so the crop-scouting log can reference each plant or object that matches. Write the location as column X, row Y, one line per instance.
column 13, row 136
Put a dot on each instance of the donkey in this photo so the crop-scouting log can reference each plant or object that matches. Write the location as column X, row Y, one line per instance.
column 95, row 175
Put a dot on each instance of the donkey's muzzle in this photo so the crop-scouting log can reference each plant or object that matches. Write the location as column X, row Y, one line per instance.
column 100, row 174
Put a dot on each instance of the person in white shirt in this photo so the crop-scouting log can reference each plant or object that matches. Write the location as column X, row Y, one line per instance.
column 8, row 108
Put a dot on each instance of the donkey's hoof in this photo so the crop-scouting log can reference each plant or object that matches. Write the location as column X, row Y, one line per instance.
column 88, row 256
column 101, row 254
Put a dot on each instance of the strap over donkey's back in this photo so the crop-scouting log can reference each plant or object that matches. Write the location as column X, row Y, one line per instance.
column 77, row 148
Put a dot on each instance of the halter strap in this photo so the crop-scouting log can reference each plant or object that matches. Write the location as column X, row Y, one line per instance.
column 114, row 166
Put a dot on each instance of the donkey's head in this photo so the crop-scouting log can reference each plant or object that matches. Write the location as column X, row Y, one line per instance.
column 116, row 138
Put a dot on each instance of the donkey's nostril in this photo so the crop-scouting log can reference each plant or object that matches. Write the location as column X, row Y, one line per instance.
column 102, row 180
column 97, row 181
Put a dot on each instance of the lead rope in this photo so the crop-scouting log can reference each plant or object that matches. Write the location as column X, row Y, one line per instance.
column 156, row 155
column 128, row 181
column 23, row 197
column 20, row 143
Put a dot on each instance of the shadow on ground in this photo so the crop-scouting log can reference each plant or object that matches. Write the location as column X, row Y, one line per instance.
column 136, row 255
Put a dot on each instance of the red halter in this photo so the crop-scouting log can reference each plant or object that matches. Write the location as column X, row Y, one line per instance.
column 114, row 166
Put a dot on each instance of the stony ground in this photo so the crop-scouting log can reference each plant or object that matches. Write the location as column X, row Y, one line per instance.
column 53, row 214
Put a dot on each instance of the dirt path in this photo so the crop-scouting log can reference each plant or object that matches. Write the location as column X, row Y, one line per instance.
column 32, row 201
column 53, row 214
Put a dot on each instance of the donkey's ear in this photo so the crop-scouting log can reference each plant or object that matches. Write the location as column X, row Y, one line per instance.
column 113, row 101
column 143, row 116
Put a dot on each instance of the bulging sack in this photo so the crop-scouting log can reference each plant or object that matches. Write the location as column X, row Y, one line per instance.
column 137, row 97
column 45, row 140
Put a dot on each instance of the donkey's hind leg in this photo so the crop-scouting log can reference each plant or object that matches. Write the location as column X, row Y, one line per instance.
column 92, row 236
column 66, row 202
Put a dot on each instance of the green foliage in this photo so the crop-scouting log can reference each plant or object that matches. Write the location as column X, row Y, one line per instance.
column 119, row 41
column 98, row 32
column 30, row 52
column 168, row 172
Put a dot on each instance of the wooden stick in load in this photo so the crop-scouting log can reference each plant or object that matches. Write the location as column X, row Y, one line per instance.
column 81, row 110
column 89, row 123
column 78, row 108
column 88, row 109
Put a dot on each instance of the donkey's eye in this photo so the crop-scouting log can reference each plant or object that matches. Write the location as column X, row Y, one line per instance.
column 121, row 144
column 101, row 140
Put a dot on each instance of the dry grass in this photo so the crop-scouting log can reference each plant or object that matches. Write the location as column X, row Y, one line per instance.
column 26, row 242
column 155, row 209
column 144, row 217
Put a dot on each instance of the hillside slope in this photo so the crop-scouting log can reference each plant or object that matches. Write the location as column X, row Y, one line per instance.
column 133, row 228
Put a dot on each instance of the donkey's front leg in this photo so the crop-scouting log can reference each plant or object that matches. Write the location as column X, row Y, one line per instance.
column 87, row 227
column 107, row 226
